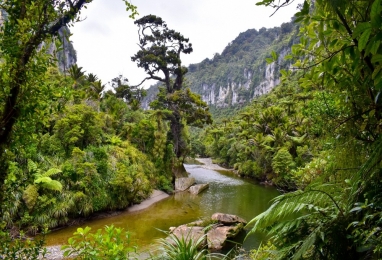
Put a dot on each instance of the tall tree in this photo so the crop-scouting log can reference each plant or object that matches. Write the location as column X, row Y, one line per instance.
column 159, row 56
column 132, row 95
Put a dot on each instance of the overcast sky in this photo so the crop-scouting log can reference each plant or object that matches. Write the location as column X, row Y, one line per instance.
column 107, row 38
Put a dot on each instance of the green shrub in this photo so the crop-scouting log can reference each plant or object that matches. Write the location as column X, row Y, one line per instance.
column 264, row 252
column 20, row 248
column 112, row 243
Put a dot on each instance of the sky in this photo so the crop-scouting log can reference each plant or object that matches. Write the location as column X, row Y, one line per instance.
column 106, row 38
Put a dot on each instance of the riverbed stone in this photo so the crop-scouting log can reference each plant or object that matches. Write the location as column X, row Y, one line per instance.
column 197, row 223
column 227, row 219
column 185, row 232
column 196, row 189
column 182, row 184
column 217, row 237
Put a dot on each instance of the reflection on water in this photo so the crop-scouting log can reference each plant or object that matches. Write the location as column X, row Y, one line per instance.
column 227, row 193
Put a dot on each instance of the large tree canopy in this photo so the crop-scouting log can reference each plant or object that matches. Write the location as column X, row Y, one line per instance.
column 160, row 52
column 159, row 56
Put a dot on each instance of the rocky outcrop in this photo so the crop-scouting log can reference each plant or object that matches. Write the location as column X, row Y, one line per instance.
column 227, row 219
column 198, row 188
column 217, row 237
column 182, row 184
column 216, row 230
column 194, row 233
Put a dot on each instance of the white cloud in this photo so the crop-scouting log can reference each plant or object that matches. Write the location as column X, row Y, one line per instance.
column 106, row 39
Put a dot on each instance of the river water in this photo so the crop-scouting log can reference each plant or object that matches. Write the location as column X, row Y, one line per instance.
column 227, row 193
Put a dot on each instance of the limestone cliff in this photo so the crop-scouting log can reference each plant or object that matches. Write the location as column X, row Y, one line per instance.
column 66, row 57
column 240, row 73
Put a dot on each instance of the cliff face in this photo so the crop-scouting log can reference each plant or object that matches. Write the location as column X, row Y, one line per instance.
column 65, row 57
column 240, row 73
column 237, row 93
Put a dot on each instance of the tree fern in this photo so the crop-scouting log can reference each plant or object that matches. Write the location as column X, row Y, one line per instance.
column 44, row 179
column 296, row 220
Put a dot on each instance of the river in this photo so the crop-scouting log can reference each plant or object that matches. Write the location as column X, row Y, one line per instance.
column 227, row 193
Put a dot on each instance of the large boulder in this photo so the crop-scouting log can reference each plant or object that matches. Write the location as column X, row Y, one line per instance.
column 220, row 228
column 227, row 219
column 182, row 184
column 217, row 237
column 196, row 189
column 185, row 232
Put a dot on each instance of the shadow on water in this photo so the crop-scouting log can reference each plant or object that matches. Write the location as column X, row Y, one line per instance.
column 227, row 193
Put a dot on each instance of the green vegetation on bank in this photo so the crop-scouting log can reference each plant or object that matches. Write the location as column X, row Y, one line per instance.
column 70, row 149
column 318, row 133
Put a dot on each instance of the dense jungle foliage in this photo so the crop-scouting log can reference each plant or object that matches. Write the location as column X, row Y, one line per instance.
column 69, row 148
column 319, row 133
column 68, row 151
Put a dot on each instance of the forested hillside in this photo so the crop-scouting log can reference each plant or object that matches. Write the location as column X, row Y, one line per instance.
column 317, row 134
column 240, row 73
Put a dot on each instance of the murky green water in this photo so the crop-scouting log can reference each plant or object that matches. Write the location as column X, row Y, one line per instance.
column 227, row 193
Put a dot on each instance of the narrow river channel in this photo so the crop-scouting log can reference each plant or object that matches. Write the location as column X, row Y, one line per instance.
column 227, row 193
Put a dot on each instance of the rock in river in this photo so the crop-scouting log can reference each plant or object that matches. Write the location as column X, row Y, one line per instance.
column 194, row 233
column 227, row 219
column 196, row 189
column 217, row 237
column 182, row 184
column 220, row 228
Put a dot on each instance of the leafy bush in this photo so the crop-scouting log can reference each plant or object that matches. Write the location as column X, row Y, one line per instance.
column 112, row 243
column 20, row 248
column 264, row 252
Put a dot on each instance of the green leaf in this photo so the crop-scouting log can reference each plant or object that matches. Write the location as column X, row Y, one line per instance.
column 376, row 58
column 364, row 39
column 375, row 47
column 378, row 84
column 376, row 71
column 269, row 60
column 375, row 13
column 274, row 55
column 361, row 27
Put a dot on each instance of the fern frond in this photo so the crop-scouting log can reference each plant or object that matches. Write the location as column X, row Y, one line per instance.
column 51, row 171
column 42, row 179
column 48, row 183
column 32, row 167
column 52, row 185
column 306, row 245
column 321, row 200
column 367, row 170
